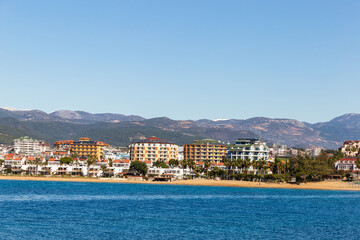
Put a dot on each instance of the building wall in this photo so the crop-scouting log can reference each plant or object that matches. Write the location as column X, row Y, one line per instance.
column 153, row 149
column 350, row 148
column 153, row 152
column 85, row 147
column 202, row 152
column 27, row 145
column 248, row 149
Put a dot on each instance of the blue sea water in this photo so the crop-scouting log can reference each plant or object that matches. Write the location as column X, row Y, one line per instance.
column 69, row 210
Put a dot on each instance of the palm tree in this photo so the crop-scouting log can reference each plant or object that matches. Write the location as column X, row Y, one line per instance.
column 240, row 164
column 278, row 165
column 228, row 165
column 184, row 164
column 261, row 166
column 104, row 169
column 37, row 161
column 192, row 165
column 91, row 159
column 207, row 165
column 247, row 164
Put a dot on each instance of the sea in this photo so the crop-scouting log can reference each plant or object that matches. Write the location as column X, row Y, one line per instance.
column 73, row 210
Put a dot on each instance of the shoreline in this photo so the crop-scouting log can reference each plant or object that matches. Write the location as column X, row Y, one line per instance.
column 324, row 185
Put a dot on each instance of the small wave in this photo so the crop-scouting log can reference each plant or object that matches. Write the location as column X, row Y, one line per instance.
column 59, row 198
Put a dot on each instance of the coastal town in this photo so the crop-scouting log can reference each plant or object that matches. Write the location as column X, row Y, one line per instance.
column 156, row 159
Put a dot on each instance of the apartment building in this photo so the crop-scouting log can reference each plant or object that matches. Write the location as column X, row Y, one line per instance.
column 206, row 149
column 351, row 148
column 85, row 147
column 153, row 149
column 251, row 149
column 347, row 164
column 28, row 145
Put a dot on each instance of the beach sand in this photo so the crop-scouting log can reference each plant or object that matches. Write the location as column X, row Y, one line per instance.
column 325, row 185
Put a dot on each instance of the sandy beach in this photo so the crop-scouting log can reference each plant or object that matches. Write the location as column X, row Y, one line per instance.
column 325, row 185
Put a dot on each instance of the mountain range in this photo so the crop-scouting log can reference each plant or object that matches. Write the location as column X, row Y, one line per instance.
column 120, row 130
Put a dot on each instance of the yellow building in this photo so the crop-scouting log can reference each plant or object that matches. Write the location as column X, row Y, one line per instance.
column 153, row 149
column 84, row 147
column 202, row 150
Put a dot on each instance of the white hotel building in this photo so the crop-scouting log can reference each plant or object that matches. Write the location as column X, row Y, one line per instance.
column 27, row 145
column 251, row 149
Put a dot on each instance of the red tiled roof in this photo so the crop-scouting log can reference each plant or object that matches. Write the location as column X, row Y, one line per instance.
column 10, row 155
column 153, row 138
column 64, row 142
column 348, row 159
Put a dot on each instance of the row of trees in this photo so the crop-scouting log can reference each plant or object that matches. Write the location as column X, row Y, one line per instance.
column 303, row 168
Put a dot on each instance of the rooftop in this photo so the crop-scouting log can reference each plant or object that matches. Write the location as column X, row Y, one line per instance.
column 153, row 140
column 208, row 141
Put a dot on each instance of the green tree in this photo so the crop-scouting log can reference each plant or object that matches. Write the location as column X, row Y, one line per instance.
column 90, row 160
column 104, row 169
column 161, row 164
column 139, row 166
column 75, row 155
column 321, row 167
column 184, row 164
column 66, row 160
column 191, row 164
column 246, row 165
column 217, row 172
column 276, row 166
column 358, row 162
column 228, row 164
column 173, row 162
column 207, row 165
column 240, row 164
column 37, row 162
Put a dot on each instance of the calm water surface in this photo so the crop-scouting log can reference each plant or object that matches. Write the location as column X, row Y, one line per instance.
column 65, row 210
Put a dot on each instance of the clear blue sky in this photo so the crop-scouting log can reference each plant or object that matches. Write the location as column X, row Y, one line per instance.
column 183, row 59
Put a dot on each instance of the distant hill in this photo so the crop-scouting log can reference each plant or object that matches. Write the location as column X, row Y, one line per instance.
column 85, row 117
column 66, row 116
column 120, row 130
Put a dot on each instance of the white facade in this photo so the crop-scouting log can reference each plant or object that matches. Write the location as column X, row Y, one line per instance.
column 177, row 172
column 347, row 164
column 27, row 145
column 351, row 148
column 180, row 156
column 251, row 149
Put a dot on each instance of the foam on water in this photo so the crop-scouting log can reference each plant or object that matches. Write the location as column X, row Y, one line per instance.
column 59, row 198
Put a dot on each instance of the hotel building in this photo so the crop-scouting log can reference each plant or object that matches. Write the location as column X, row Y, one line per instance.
column 83, row 147
column 27, row 145
column 202, row 150
column 153, row 149
column 251, row 149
